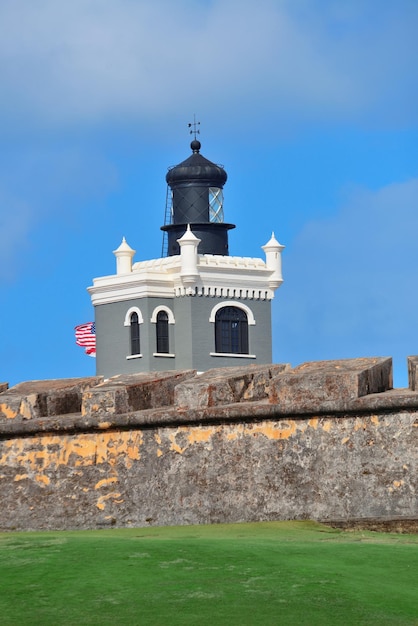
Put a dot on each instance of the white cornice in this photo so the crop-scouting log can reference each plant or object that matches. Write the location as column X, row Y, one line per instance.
column 223, row 276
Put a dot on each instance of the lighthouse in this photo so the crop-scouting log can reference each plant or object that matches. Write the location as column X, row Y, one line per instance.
column 197, row 307
column 197, row 200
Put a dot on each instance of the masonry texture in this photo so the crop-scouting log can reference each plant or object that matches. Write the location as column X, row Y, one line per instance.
column 327, row 440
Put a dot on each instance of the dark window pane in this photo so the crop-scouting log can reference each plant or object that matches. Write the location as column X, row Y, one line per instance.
column 162, row 332
column 231, row 331
column 135, row 347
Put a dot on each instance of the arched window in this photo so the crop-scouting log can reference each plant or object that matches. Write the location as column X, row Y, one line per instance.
column 231, row 330
column 134, row 324
column 162, row 332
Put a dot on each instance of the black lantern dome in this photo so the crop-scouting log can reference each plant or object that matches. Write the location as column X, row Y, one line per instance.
column 197, row 199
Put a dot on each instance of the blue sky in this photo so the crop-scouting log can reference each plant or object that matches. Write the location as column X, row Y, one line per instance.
column 311, row 106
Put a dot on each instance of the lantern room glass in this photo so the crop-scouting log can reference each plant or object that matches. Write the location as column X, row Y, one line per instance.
column 216, row 201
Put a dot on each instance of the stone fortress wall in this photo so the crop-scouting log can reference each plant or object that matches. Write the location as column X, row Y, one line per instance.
column 327, row 440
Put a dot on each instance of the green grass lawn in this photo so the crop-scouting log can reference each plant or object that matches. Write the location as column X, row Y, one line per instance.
column 239, row 574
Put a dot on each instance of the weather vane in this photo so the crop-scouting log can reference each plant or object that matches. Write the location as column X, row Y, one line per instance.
column 194, row 130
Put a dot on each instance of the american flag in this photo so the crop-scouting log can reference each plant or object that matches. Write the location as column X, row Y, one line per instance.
column 85, row 336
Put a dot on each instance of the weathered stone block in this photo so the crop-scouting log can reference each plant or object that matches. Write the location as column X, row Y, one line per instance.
column 245, row 460
column 133, row 392
column 227, row 385
column 413, row 373
column 45, row 398
column 330, row 385
column 4, row 387
column 308, row 467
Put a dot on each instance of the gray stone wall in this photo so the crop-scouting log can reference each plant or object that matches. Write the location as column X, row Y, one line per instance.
column 327, row 440
column 194, row 330
column 192, row 337
column 113, row 338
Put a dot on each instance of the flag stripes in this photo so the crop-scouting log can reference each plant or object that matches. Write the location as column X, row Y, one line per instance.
column 85, row 336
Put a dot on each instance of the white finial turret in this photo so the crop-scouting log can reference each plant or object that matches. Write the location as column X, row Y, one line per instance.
column 273, row 250
column 188, row 251
column 124, row 256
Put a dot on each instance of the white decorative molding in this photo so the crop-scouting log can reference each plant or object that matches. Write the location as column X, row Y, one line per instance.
column 124, row 255
column 241, row 278
column 234, row 354
column 133, row 309
column 169, row 355
column 157, row 310
column 225, row 292
column 238, row 305
column 133, row 356
column 273, row 251
column 189, row 258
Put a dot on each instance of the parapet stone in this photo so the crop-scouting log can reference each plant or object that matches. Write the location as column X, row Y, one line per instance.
column 329, row 440
column 413, row 372
column 230, row 393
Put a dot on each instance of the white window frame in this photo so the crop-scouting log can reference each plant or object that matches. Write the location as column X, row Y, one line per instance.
column 133, row 309
column 157, row 310
column 237, row 305
column 127, row 322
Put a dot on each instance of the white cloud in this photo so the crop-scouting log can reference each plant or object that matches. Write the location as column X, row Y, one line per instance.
column 95, row 61
column 351, row 281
